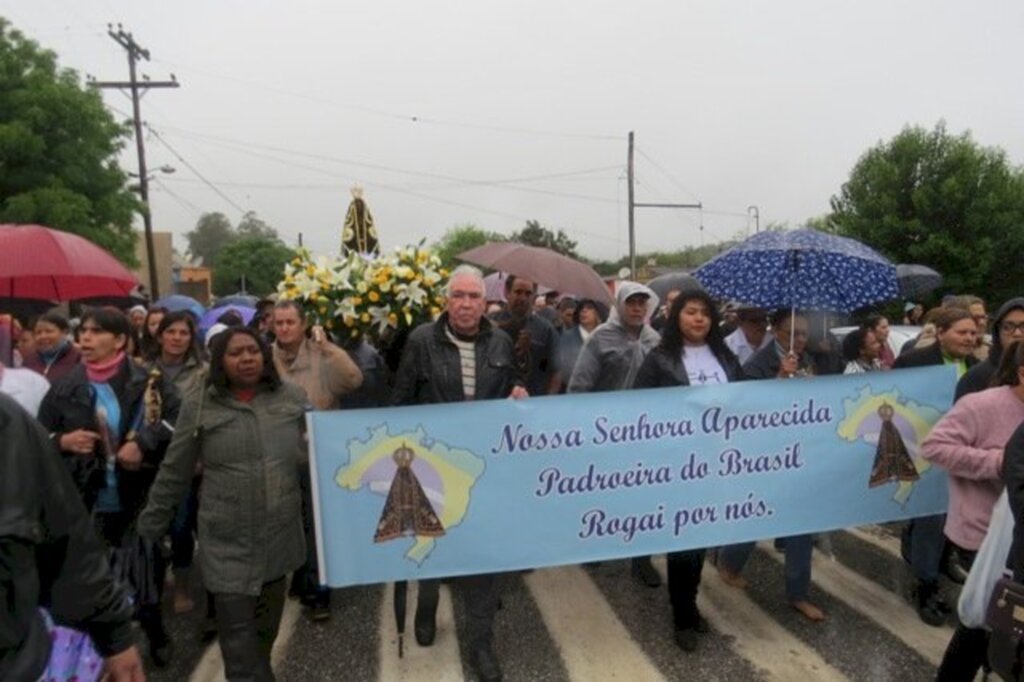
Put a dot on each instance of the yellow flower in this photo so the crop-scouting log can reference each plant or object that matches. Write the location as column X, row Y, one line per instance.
column 349, row 321
column 392, row 319
column 364, row 318
column 435, row 311
column 374, row 297
column 357, row 300
column 355, row 333
column 329, row 324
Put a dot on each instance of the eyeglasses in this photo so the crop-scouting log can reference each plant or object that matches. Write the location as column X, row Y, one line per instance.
column 1008, row 327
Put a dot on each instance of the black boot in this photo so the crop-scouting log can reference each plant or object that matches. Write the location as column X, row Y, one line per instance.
column 930, row 606
column 643, row 570
column 425, row 623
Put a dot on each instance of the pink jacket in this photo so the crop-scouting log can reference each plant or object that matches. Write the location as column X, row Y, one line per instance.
column 968, row 442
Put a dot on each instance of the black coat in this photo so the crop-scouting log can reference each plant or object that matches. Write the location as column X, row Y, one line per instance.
column 1013, row 477
column 765, row 363
column 431, row 369
column 71, row 405
column 927, row 357
column 662, row 369
column 49, row 554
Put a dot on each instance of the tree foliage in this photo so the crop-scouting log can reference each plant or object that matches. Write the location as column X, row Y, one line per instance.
column 534, row 234
column 260, row 259
column 213, row 231
column 58, row 150
column 463, row 238
column 251, row 225
column 940, row 200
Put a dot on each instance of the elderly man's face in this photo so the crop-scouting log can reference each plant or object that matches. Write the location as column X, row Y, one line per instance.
column 466, row 304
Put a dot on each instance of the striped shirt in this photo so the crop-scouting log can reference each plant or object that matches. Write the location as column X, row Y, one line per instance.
column 467, row 361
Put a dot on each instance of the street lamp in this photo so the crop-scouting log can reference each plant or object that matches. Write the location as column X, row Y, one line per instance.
column 753, row 211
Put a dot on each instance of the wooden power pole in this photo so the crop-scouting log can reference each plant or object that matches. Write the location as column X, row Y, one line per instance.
column 634, row 205
column 137, row 88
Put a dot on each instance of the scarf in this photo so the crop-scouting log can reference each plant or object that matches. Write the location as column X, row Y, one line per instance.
column 103, row 372
column 51, row 356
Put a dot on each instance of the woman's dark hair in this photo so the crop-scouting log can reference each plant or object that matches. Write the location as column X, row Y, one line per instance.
column 599, row 308
column 672, row 337
column 190, row 322
column 872, row 321
column 853, row 342
column 231, row 317
column 1011, row 362
column 218, row 348
column 109, row 320
column 55, row 318
column 149, row 346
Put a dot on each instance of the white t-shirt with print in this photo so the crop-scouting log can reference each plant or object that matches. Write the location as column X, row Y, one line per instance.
column 703, row 367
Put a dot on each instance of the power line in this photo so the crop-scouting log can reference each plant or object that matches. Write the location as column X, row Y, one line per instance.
column 192, row 168
column 401, row 116
column 666, row 173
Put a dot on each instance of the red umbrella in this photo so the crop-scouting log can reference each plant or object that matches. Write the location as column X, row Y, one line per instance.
column 542, row 266
column 40, row 263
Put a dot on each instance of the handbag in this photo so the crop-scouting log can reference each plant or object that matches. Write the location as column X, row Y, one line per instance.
column 988, row 566
column 1005, row 618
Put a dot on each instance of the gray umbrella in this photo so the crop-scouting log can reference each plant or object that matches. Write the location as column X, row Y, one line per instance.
column 916, row 281
column 662, row 284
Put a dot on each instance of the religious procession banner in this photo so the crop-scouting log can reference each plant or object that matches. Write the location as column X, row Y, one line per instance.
column 490, row 486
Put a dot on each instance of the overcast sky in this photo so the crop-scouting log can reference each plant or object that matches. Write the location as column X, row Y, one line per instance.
column 452, row 112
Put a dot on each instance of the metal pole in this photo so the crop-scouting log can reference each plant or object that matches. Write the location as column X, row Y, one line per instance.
column 147, row 219
column 753, row 210
column 632, row 227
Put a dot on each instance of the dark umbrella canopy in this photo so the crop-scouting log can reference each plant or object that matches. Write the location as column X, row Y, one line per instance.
column 917, row 281
column 543, row 266
column 683, row 281
column 40, row 263
column 801, row 269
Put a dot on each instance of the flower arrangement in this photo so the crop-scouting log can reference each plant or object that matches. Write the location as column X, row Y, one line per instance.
column 353, row 295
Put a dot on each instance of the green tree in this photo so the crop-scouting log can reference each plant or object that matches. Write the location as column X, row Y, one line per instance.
column 463, row 238
column 208, row 238
column 251, row 225
column 260, row 259
column 534, row 234
column 58, row 150
column 940, row 200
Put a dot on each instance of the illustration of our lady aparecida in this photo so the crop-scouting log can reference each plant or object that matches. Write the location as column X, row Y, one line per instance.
column 892, row 461
column 407, row 510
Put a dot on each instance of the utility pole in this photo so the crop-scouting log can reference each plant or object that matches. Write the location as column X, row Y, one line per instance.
column 137, row 88
column 756, row 212
column 634, row 205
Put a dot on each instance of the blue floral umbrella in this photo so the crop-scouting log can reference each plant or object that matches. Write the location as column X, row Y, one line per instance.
column 803, row 269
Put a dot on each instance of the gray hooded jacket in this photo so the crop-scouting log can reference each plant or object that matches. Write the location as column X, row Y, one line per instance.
column 611, row 357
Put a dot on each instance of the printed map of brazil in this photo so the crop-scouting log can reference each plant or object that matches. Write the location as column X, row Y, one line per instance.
column 446, row 475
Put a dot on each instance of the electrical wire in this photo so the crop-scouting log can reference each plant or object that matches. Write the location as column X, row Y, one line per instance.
column 192, row 168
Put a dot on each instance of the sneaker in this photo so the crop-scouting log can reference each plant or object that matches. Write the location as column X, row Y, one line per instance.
column 320, row 611
column 485, row 663
column 686, row 639
column 643, row 570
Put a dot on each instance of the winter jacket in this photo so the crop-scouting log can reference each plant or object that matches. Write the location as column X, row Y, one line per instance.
column 968, row 442
column 56, row 369
column 926, row 357
column 661, row 369
column 1013, row 477
column 374, row 391
column 765, row 363
column 978, row 377
column 250, row 513
column 431, row 370
column 71, row 405
column 49, row 554
column 325, row 372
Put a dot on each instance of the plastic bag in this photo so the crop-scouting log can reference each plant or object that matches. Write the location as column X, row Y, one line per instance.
column 989, row 566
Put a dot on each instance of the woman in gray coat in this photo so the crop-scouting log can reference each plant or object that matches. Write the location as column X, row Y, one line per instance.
column 246, row 428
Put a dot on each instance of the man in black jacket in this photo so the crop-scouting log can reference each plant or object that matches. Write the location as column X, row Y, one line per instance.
column 1008, row 327
column 50, row 556
column 460, row 357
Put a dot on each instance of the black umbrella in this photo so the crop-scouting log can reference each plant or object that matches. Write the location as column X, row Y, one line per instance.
column 916, row 281
column 662, row 284
column 401, row 591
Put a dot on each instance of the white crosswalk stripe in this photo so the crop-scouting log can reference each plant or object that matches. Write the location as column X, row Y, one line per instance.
column 438, row 662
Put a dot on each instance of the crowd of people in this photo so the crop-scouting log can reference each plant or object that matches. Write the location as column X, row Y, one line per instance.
column 126, row 439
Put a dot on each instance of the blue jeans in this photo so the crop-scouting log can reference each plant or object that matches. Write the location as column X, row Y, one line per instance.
column 922, row 542
column 799, row 549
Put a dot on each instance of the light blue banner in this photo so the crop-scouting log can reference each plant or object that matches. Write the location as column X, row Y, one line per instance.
column 443, row 490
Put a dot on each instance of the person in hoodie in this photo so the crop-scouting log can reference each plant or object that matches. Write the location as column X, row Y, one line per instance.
column 611, row 359
column 1007, row 328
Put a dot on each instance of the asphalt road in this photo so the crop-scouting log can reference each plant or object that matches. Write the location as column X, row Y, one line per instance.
column 597, row 623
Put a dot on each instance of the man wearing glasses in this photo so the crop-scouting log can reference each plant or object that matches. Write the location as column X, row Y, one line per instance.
column 751, row 335
column 1007, row 328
